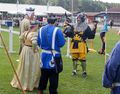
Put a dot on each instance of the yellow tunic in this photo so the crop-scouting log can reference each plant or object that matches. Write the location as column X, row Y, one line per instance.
column 78, row 47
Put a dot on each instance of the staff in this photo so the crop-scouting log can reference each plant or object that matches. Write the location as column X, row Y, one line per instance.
column 23, row 92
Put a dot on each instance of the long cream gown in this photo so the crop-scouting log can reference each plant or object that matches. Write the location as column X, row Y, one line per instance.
column 29, row 66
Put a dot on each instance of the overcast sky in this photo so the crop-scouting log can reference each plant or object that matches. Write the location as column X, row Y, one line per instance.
column 111, row 1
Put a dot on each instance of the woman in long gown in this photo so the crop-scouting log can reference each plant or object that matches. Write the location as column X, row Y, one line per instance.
column 28, row 69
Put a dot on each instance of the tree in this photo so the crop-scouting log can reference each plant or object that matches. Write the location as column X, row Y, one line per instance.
column 78, row 5
column 8, row 1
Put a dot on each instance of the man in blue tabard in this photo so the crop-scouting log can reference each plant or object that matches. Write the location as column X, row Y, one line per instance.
column 50, row 40
column 111, row 76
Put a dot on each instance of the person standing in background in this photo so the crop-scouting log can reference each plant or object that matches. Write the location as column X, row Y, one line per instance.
column 102, row 35
column 111, row 76
column 27, row 19
column 111, row 23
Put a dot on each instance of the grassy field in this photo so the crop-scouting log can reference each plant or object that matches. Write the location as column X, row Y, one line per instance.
column 68, row 84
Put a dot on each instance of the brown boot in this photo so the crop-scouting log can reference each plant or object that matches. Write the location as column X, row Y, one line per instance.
column 40, row 92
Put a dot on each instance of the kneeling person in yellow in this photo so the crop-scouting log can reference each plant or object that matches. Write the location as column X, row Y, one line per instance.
column 78, row 46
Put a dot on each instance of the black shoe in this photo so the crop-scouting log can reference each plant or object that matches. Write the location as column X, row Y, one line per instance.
column 84, row 74
column 74, row 73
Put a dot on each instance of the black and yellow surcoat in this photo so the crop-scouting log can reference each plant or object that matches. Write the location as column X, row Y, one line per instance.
column 78, row 46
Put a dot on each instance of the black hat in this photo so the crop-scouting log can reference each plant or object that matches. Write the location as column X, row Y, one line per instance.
column 95, row 21
column 51, row 18
column 30, row 9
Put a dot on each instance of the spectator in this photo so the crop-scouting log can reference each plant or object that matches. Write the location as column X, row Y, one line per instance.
column 111, row 76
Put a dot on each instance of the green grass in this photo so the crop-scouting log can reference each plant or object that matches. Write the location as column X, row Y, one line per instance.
column 14, row 28
column 68, row 84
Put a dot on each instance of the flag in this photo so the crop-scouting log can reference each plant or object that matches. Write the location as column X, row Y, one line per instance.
column 66, row 15
column 17, row 2
column 106, row 10
column 48, row 4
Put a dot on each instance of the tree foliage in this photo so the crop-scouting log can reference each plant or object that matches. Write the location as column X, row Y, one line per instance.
column 78, row 5
column 8, row 1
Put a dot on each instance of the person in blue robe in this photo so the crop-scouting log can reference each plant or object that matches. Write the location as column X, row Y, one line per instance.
column 111, row 76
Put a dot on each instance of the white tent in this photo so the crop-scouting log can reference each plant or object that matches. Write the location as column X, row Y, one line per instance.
column 39, row 9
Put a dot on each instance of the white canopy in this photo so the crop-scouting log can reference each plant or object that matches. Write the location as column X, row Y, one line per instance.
column 41, row 10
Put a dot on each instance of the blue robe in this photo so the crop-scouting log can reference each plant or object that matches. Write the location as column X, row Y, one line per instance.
column 46, row 44
column 112, row 70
